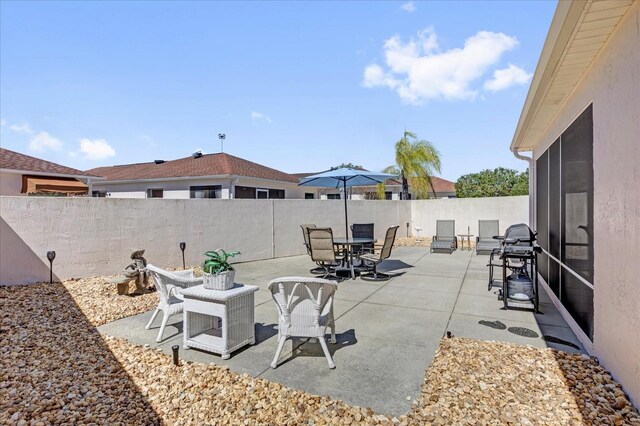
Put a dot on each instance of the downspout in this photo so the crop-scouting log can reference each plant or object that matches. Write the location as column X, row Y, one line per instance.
column 532, row 176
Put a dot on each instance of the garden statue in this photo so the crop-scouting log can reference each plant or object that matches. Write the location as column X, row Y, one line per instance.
column 138, row 270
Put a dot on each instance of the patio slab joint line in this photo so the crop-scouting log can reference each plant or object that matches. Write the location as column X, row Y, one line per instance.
column 458, row 295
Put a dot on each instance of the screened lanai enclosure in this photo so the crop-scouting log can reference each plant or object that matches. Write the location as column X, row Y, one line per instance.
column 564, row 218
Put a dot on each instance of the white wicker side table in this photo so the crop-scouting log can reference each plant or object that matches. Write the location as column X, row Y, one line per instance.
column 218, row 321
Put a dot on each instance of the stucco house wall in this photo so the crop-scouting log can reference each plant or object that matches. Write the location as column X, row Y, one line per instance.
column 11, row 184
column 178, row 188
column 612, row 84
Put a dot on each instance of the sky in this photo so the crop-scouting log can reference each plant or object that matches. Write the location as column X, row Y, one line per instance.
column 297, row 86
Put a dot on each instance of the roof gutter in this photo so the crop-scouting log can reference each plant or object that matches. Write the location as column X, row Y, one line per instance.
column 182, row 178
column 35, row 172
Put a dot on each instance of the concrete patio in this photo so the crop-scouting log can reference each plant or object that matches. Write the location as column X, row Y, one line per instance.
column 387, row 332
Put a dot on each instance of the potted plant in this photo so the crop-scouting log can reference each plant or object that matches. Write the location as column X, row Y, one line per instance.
column 218, row 272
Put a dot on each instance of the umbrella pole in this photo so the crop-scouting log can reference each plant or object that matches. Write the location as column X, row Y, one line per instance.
column 346, row 220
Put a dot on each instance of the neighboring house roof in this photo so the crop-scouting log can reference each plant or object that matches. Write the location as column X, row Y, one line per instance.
column 578, row 33
column 303, row 175
column 220, row 164
column 439, row 185
column 15, row 161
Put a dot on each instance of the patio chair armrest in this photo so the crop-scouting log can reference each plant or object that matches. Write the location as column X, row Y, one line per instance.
column 187, row 273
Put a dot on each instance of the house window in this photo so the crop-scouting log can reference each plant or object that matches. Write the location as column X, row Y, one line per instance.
column 259, row 193
column 155, row 193
column 564, row 219
column 207, row 191
column 276, row 193
column 245, row 192
column 99, row 194
column 388, row 195
column 308, row 196
column 333, row 196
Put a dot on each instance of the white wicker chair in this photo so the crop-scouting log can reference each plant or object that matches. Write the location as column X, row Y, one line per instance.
column 168, row 284
column 305, row 306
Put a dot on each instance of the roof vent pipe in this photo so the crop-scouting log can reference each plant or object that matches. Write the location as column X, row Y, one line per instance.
column 532, row 177
column 158, row 161
column 197, row 154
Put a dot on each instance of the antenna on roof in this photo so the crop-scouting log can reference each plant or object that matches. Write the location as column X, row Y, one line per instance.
column 222, row 137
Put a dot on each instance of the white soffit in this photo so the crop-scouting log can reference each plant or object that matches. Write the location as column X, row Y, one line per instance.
column 579, row 30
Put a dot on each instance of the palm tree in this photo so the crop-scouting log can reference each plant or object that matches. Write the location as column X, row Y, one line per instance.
column 416, row 162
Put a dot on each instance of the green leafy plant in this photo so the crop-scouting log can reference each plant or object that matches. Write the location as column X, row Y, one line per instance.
column 500, row 182
column 217, row 261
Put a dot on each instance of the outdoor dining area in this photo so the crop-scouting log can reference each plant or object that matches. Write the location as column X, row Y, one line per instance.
column 340, row 257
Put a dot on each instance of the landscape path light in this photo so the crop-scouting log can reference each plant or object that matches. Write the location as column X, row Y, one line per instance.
column 51, row 255
column 183, row 245
column 175, row 349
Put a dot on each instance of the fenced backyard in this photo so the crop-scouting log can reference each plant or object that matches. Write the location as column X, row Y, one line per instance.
column 430, row 345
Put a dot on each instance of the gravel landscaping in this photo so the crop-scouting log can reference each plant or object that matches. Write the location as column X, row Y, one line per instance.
column 56, row 369
column 99, row 302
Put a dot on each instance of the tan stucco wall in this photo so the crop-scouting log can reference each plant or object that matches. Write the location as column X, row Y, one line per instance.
column 11, row 184
column 467, row 211
column 95, row 236
column 613, row 85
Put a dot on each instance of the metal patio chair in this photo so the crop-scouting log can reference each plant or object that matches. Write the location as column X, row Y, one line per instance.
column 487, row 230
column 305, row 234
column 445, row 238
column 323, row 250
column 376, row 259
column 363, row 230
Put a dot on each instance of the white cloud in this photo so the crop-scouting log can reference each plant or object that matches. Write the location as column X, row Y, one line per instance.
column 43, row 141
column 507, row 77
column 3, row 122
column 97, row 149
column 417, row 70
column 408, row 7
column 21, row 128
column 258, row 116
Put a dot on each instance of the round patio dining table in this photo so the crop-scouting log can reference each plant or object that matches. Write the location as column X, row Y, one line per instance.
column 349, row 243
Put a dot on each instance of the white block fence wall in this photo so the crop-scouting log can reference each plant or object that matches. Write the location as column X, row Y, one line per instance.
column 95, row 236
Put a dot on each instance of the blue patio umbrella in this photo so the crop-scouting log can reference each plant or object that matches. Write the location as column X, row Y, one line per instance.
column 345, row 177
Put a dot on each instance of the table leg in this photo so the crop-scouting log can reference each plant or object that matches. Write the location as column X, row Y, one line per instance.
column 353, row 273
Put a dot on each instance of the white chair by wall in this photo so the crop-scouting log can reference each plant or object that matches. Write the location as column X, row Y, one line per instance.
column 305, row 307
column 168, row 285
